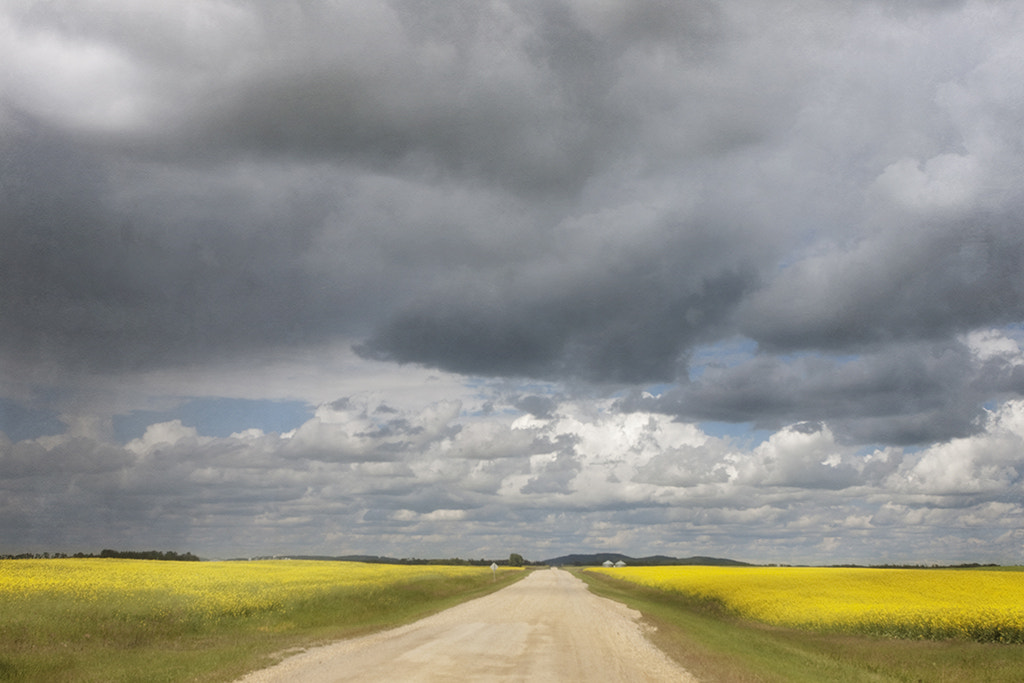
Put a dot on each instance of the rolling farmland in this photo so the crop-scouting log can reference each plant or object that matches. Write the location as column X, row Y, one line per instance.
column 979, row 605
column 112, row 619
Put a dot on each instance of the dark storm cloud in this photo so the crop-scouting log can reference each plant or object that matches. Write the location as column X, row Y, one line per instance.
column 521, row 95
column 159, row 275
column 923, row 282
column 630, row 323
column 234, row 207
column 806, row 219
column 906, row 394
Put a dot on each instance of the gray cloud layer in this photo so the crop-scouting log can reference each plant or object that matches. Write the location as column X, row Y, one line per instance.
column 530, row 189
column 365, row 477
column 600, row 195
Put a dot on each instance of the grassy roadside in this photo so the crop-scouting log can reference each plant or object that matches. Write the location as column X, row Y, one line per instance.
column 717, row 647
column 50, row 638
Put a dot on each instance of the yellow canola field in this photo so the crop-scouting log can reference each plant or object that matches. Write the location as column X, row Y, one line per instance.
column 205, row 591
column 986, row 606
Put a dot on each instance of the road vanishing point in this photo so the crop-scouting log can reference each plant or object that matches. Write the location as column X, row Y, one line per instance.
column 547, row 627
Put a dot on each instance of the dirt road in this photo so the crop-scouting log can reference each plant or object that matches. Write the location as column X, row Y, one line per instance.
column 547, row 627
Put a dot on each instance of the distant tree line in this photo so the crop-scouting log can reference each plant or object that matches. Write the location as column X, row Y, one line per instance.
column 168, row 555
column 514, row 560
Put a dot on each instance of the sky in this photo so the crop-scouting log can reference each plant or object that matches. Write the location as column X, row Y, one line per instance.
column 464, row 278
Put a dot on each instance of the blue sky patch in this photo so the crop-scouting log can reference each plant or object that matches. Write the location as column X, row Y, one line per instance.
column 741, row 433
column 219, row 417
column 19, row 422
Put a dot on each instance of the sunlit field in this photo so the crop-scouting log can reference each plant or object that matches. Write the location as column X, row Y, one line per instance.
column 979, row 605
column 108, row 619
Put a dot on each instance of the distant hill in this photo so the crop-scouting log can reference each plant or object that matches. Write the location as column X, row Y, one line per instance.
column 596, row 559
column 579, row 560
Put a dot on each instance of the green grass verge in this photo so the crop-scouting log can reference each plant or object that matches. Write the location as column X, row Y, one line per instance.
column 715, row 646
column 49, row 641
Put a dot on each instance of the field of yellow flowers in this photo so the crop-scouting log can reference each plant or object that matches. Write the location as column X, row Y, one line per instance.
column 204, row 591
column 979, row 605
column 61, row 618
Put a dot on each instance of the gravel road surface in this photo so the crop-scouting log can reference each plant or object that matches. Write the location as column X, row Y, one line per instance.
column 547, row 627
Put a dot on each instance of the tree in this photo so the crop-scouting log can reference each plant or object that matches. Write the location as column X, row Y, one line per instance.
column 515, row 560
